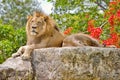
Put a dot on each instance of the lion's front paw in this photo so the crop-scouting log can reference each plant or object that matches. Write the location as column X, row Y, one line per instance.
column 26, row 57
column 15, row 55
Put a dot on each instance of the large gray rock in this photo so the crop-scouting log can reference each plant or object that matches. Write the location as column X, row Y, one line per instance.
column 67, row 63
column 16, row 69
column 77, row 63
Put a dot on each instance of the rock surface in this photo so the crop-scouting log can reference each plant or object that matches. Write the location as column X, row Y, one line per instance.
column 67, row 63
column 16, row 69
column 80, row 63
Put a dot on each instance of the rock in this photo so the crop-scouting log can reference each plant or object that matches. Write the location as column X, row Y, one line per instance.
column 77, row 63
column 16, row 69
column 67, row 63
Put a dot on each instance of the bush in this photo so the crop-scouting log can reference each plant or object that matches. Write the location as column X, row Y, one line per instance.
column 5, row 30
column 19, row 38
column 6, row 48
column 10, row 40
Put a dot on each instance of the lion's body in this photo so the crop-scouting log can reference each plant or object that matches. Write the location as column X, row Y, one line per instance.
column 42, row 32
column 80, row 39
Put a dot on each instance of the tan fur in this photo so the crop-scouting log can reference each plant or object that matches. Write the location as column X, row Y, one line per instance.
column 80, row 39
column 42, row 32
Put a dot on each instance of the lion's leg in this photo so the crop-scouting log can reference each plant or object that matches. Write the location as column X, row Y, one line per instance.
column 72, row 42
column 27, row 53
column 79, row 43
column 19, row 52
column 29, row 48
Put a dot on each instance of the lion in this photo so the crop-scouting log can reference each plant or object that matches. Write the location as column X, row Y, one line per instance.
column 42, row 32
column 80, row 39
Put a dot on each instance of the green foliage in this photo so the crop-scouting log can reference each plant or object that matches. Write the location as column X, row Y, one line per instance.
column 6, row 48
column 78, row 21
column 20, row 37
column 10, row 40
column 76, row 14
column 5, row 30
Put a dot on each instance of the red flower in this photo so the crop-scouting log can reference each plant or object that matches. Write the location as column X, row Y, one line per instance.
column 68, row 30
column 96, row 32
column 112, row 40
column 118, row 0
column 90, row 28
column 107, row 42
column 118, row 15
column 114, row 36
column 113, row 3
column 112, row 29
column 90, row 25
column 111, row 20
column 111, row 9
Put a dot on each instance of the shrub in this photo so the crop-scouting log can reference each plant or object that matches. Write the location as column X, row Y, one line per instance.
column 10, row 40
column 6, row 32
column 6, row 48
column 19, row 38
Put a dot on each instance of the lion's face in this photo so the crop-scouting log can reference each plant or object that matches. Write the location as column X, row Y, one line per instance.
column 37, row 24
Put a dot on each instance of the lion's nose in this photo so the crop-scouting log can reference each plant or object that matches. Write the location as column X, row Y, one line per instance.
column 34, row 27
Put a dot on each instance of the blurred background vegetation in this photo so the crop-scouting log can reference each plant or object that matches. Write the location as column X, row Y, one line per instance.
column 67, row 13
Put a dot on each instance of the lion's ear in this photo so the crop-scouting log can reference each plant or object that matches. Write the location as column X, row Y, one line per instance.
column 46, row 18
column 28, row 17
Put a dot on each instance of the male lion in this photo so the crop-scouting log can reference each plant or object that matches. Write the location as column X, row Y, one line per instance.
column 42, row 32
column 80, row 39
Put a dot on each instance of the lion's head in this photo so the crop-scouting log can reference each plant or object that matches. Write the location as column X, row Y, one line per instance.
column 39, row 24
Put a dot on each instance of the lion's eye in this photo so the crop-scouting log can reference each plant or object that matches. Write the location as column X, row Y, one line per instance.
column 32, row 21
column 39, row 22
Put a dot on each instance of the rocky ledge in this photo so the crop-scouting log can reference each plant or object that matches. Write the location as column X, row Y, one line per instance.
column 66, row 63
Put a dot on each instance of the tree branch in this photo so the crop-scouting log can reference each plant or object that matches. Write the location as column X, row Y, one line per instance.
column 103, row 8
column 103, row 24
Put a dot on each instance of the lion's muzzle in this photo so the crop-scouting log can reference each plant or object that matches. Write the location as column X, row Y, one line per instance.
column 33, row 32
column 34, row 27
